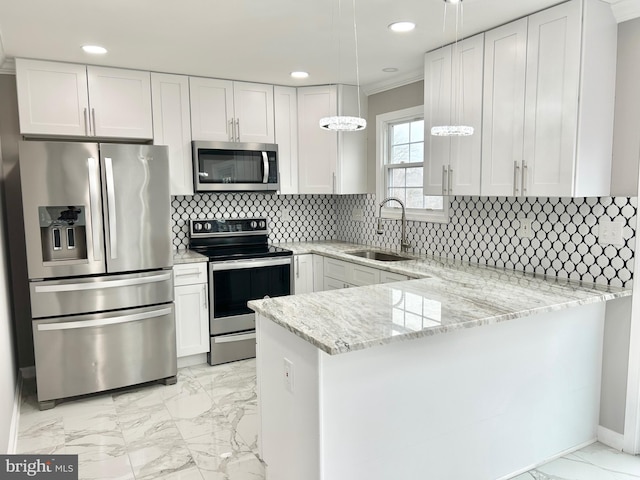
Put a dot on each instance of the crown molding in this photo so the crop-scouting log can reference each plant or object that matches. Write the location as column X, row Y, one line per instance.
column 394, row 82
column 625, row 10
column 8, row 67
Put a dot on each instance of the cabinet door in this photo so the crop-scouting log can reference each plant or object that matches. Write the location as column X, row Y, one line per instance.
column 318, row 273
column 172, row 127
column 253, row 112
column 437, row 111
column 286, row 131
column 211, row 109
column 361, row 275
column 551, row 105
column 192, row 319
column 503, row 110
column 52, row 98
column 466, row 109
column 303, row 274
column 317, row 148
column 120, row 102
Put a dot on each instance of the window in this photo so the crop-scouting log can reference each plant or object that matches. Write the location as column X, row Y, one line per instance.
column 400, row 139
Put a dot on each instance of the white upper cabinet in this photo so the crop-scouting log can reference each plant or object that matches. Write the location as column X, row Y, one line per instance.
column 560, row 143
column 505, row 62
column 286, row 130
column 52, row 98
column 75, row 100
column 330, row 162
column 453, row 96
column 222, row 110
column 120, row 102
column 172, row 127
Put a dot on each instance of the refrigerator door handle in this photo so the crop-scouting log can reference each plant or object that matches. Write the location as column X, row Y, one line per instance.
column 111, row 205
column 70, row 287
column 103, row 321
column 94, row 200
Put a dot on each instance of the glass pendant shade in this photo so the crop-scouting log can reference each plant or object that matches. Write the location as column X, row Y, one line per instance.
column 342, row 123
column 452, row 131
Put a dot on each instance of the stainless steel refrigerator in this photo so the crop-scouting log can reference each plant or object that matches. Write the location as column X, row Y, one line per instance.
column 99, row 254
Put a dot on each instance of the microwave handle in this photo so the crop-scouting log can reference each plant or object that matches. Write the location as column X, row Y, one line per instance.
column 265, row 167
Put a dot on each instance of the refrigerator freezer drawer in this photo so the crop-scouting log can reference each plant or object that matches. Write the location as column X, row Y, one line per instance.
column 51, row 298
column 91, row 353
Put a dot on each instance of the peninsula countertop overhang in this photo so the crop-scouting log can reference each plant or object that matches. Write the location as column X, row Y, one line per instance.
column 446, row 295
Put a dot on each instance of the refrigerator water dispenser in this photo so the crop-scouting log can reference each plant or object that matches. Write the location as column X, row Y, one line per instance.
column 63, row 233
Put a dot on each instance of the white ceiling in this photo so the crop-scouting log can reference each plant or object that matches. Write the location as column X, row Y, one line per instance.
column 250, row 40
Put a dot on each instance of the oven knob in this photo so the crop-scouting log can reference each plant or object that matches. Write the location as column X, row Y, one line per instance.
column 198, row 227
column 262, row 224
column 207, row 226
column 254, row 224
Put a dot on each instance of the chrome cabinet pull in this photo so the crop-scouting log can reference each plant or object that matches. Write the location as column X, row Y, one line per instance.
column 204, row 297
column 94, row 200
column 297, row 267
column 237, row 129
column 333, row 188
column 516, row 169
column 86, row 122
column 93, row 114
column 231, row 131
column 444, row 179
column 525, row 171
column 450, row 180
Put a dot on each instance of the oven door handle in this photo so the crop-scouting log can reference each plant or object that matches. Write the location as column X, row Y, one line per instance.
column 240, row 264
column 234, row 338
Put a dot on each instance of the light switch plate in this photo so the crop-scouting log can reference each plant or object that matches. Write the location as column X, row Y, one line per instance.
column 288, row 375
column 610, row 233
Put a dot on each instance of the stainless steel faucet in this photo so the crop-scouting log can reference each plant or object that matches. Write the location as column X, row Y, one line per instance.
column 404, row 244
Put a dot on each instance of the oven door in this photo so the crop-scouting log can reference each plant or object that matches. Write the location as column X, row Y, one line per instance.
column 234, row 283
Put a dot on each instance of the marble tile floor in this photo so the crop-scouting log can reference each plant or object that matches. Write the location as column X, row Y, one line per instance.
column 205, row 427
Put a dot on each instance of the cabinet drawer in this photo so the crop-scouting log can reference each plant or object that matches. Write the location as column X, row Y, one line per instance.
column 337, row 269
column 189, row 273
column 334, row 284
column 388, row 277
column 364, row 275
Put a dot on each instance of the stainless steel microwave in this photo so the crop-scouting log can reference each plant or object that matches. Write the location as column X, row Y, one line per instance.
column 235, row 167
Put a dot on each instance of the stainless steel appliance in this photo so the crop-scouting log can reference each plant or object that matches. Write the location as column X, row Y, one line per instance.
column 243, row 266
column 234, row 167
column 99, row 258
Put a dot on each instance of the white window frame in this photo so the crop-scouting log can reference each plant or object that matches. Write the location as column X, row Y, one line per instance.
column 383, row 121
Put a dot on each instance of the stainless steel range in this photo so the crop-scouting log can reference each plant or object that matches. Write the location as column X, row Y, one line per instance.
column 243, row 266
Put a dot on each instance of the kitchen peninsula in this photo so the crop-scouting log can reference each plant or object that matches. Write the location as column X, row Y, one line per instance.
column 394, row 380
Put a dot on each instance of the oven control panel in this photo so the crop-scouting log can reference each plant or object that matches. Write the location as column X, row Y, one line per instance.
column 228, row 227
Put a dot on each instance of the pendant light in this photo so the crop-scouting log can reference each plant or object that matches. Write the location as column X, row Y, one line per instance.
column 344, row 123
column 456, row 129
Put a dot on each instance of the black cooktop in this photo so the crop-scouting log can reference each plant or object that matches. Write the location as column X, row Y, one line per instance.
column 233, row 239
column 240, row 252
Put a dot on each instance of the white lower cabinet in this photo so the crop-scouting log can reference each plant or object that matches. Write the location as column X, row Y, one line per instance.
column 303, row 274
column 340, row 274
column 192, row 308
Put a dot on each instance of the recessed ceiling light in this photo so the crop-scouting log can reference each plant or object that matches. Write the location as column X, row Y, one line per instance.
column 95, row 49
column 402, row 26
column 390, row 69
column 299, row 74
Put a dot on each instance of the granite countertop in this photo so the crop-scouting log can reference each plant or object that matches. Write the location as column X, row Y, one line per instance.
column 446, row 295
column 188, row 256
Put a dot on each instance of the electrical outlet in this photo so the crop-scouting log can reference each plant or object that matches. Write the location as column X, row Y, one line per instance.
column 288, row 374
column 357, row 215
column 285, row 214
column 525, row 230
column 610, row 233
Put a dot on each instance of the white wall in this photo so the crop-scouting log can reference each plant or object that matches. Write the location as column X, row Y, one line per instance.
column 7, row 358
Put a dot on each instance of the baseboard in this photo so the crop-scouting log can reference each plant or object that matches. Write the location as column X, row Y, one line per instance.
column 15, row 417
column 192, row 360
column 550, row 459
column 28, row 372
column 610, row 438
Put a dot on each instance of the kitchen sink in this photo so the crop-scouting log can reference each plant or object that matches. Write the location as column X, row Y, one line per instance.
column 377, row 255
